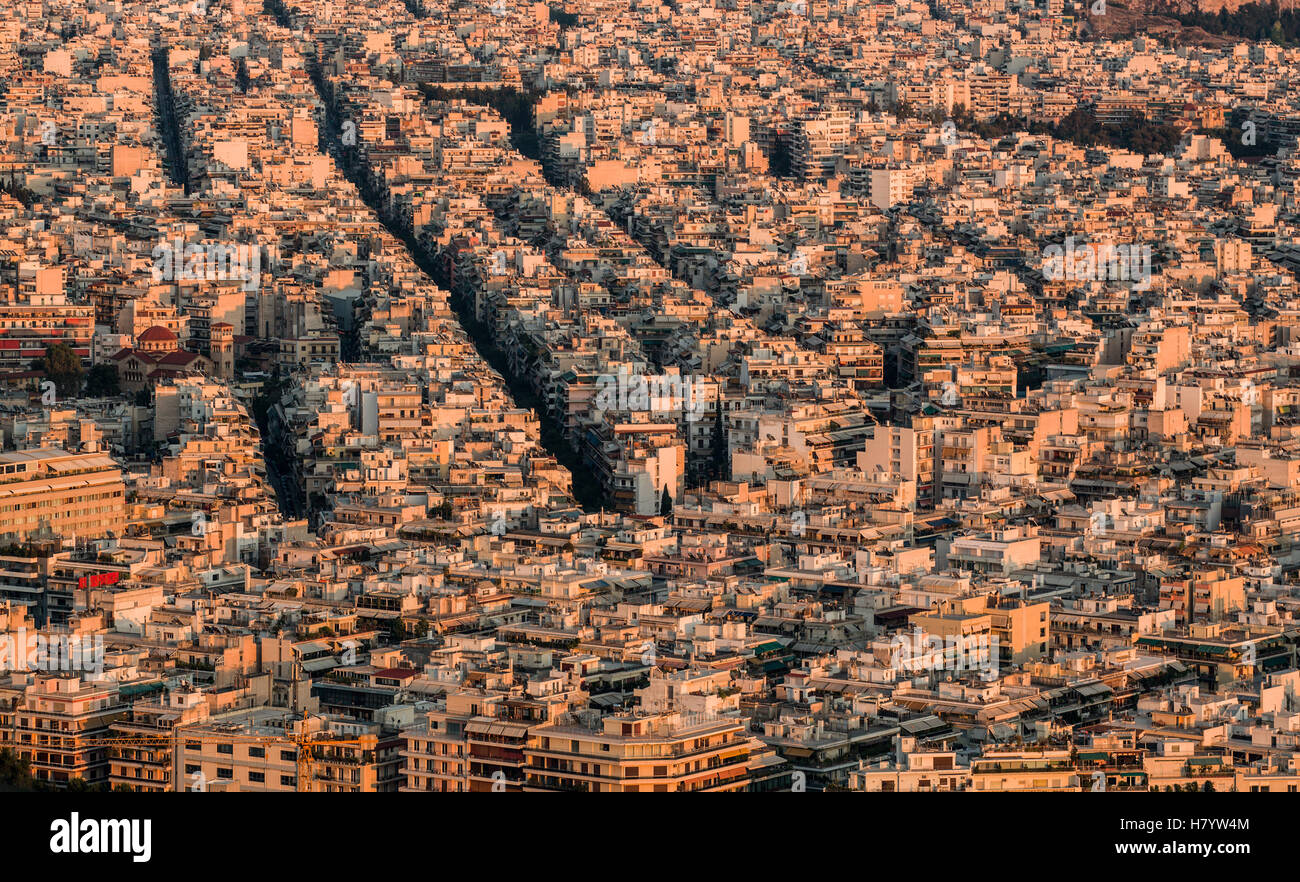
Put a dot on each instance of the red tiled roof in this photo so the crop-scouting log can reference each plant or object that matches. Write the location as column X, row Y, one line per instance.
column 397, row 673
column 157, row 334
column 179, row 357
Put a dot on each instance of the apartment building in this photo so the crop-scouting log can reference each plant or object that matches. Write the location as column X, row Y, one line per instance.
column 50, row 492
column 59, row 724
column 636, row 463
column 144, row 755
column 275, row 750
column 906, row 451
column 817, row 143
column 435, row 751
column 35, row 314
column 1207, row 596
column 912, row 769
column 1000, row 552
column 1032, row 770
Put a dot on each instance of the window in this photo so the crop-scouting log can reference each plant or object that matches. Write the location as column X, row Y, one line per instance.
column 288, row 755
column 225, row 748
column 225, row 773
column 256, row 777
column 258, row 752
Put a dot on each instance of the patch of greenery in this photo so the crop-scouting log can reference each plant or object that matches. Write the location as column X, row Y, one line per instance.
column 63, row 366
column 1252, row 21
column 562, row 18
column 1080, row 126
column 102, row 381
column 514, row 105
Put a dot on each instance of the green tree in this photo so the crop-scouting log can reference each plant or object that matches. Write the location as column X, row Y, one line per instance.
column 102, row 381
column 63, row 366
column 666, row 503
column 81, row 785
column 272, row 389
column 15, row 772
column 721, row 454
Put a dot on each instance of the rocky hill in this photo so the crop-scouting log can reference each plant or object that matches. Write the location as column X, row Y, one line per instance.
column 1156, row 17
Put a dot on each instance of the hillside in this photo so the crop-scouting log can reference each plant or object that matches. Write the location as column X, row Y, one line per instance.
column 1181, row 20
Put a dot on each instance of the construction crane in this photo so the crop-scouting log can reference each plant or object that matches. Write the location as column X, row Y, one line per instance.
column 303, row 743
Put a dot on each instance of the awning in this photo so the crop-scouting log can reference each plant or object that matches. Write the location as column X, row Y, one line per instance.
column 507, row 730
column 1091, row 689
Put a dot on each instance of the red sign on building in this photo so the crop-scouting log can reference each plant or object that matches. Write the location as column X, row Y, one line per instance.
column 98, row 580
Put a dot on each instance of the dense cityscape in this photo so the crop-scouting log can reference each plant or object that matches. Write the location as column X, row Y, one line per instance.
column 640, row 396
